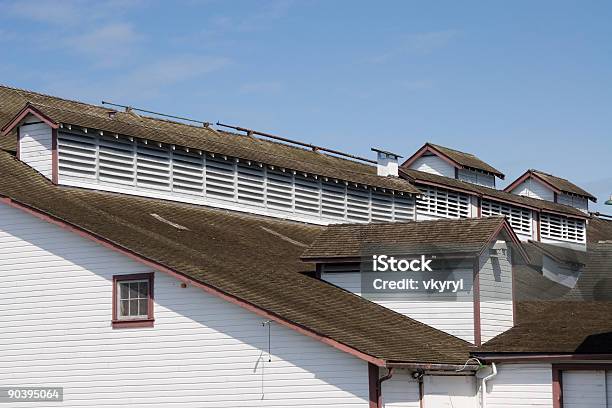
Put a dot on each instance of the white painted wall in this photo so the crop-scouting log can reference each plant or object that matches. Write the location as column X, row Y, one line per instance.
column 454, row 315
column 476, row 177
column 534, row 188
column 520, row 386
column 401, row 391
column 584, row 389
column 55, row 320
column 434, row 165
column 573, row 201
column 35, row 144
column 496, row 303
column 450, row 392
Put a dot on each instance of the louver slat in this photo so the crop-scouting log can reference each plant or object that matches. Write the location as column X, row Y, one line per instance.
column 279, row 190
column 173, row 173
column 562, row 228
column 251, row 184
column 333, row 200
column 519, row 218
column 220, row 178
column 78, row 158
column 188, row 173
column 442, row 202
column 358, row 204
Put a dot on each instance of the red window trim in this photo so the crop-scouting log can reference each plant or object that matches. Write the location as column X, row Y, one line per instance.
column 149, row 321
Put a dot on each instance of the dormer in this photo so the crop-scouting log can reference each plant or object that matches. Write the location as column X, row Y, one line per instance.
column 544, row 186
column 93, row 148
column 480, row 251
column 36, row 140
column 452, row 163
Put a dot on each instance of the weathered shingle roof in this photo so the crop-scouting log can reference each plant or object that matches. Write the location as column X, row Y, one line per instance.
column 491, row 193
column 205, row 139
column 557, row 183
column 461, row 159
column 465, row 236
column 553, row 318
column 252, row 258
column 557, row 327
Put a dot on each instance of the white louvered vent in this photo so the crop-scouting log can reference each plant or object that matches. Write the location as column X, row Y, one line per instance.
column 136, row 167
column 519, row 218
column 562, row 228
column 441, row 202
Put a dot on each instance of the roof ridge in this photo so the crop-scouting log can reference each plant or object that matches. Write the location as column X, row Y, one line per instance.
column 164, row 120
column 454, row 150
column 222, row 142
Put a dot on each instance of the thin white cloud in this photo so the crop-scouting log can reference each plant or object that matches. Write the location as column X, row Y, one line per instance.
column 108, row 45
column 417, row 43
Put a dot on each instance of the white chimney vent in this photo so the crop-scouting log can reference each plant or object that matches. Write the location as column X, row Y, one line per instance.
column 386, row 163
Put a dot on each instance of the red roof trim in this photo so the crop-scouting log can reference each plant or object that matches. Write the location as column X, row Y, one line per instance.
column 28, row 110
column 505, row 225
column 190, row 281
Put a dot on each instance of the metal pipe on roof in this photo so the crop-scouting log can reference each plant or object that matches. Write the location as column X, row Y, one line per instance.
column 284, row 139
column 131, row 108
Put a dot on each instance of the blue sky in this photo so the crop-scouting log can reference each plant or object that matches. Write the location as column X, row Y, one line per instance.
column 521, row 84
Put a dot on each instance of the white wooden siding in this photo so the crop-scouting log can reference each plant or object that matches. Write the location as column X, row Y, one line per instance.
column 520, row 386
column 454, row 316
column 401, row 391
column 35, row 144
column 476, row 177
column 574, row 201
column 450, row 392
column 434, row 165
column 534, row 188
column 133, row 167
column 584, row 389
column 496, row 303
column 55, row 320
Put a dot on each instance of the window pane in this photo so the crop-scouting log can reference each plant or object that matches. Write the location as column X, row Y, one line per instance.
column 123, row 290
column 133, row 290
column 124, row 308
column 133, row 308
column 143, row 307
column 143, row 289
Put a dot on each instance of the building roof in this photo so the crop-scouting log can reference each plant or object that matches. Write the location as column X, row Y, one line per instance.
column 599, row 229
column 557, row 184
column 468, row 236
column 458, row 158
column 251, row 258
column 489, row 193
column 283, row 155
column 553, row 318
column 556, row 327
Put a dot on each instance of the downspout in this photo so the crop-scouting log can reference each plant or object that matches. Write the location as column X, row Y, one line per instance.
column 483, row 386
column 379, row 387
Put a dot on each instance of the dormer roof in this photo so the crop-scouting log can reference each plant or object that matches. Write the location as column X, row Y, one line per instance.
column 464, row 237
column 557, row 184
column 456, row 158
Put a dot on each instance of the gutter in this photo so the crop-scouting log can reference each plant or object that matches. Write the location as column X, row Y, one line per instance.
column 434, row 367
